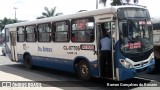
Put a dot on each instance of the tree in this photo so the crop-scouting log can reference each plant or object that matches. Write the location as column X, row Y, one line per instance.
column 103, row 2
column 135, row 1
column 49, row 13
column 116, row 2
column 5, row 21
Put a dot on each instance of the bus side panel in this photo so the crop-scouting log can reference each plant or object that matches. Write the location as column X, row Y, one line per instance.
column 70, row 51
column 60, row 57
column 45, row 49
column 54, row 63
column 94, row 68
column 23, row 47
column 20, row 50
column 60, row 64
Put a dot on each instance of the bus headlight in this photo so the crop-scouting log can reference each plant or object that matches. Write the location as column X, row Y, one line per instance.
column 126, row 64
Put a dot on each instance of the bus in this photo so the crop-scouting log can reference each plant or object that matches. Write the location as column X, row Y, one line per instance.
column 156, row 33
column 156, row 42
column 72, row 42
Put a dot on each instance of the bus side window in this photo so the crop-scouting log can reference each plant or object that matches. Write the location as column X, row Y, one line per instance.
column 44, row 32
column 61, row 31
column 20, row 34
column 83, row 30
column 31, row 33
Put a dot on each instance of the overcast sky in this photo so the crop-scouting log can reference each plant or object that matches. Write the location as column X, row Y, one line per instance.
column 31, row 9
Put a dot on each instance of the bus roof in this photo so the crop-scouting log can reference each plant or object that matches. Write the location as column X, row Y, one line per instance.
column 111, row 9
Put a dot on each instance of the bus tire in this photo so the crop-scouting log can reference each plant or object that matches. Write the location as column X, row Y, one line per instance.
column 28, row 62
column 83, row 71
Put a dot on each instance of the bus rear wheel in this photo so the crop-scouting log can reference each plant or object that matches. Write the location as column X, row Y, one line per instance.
column 84, row 71
column 28, row 62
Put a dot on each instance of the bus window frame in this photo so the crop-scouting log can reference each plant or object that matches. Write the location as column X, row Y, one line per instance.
column 35, row 32
column 38, row 39
column 54, row 31
column 90, row 19
column 24, row 33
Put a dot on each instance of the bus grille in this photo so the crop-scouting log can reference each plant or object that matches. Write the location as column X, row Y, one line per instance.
column 139, row 65
column 141, row 57
column 141, row 70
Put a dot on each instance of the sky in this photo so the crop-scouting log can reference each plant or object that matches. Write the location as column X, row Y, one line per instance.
column 31, row 9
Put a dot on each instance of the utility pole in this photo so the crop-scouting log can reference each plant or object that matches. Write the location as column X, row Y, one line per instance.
column 15, row 12
column 96, row 4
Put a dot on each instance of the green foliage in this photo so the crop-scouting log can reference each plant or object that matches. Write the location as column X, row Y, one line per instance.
column 103, row 2
column 116, row 2
column 49, row 13
column 6, row 21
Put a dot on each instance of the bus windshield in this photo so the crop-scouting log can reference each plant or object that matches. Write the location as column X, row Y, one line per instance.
column 135, row 36
column 133, row 13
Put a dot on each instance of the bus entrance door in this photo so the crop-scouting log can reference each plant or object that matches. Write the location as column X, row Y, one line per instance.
column 107, row 67
column 13, row 45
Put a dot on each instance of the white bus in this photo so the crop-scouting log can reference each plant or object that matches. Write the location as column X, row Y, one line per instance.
column 156, row 33
column 156, row 42
column 71, row 42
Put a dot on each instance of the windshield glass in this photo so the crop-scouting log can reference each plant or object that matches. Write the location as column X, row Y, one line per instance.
column 133, row 13
column 135, row 36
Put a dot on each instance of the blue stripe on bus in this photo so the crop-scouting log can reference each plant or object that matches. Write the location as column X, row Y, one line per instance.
column 58, row 64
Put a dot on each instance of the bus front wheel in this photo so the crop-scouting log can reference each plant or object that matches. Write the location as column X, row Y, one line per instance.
column 84, row 71
column 28, row 62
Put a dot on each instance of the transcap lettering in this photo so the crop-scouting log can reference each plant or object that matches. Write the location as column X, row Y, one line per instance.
column 44, row 49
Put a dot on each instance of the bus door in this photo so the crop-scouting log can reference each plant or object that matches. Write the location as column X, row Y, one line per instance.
column 13, row 46
column 109, row 26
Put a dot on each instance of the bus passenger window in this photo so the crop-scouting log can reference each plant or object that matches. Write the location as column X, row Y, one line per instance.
column 44, row 32
column 20, row 34
column 83, row 30
column 31, row 33
column 61, row 31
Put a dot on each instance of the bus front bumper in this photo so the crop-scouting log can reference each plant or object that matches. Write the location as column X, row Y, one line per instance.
column 125, row 73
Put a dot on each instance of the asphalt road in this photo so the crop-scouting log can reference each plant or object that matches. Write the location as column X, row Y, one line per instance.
column 49, row 79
